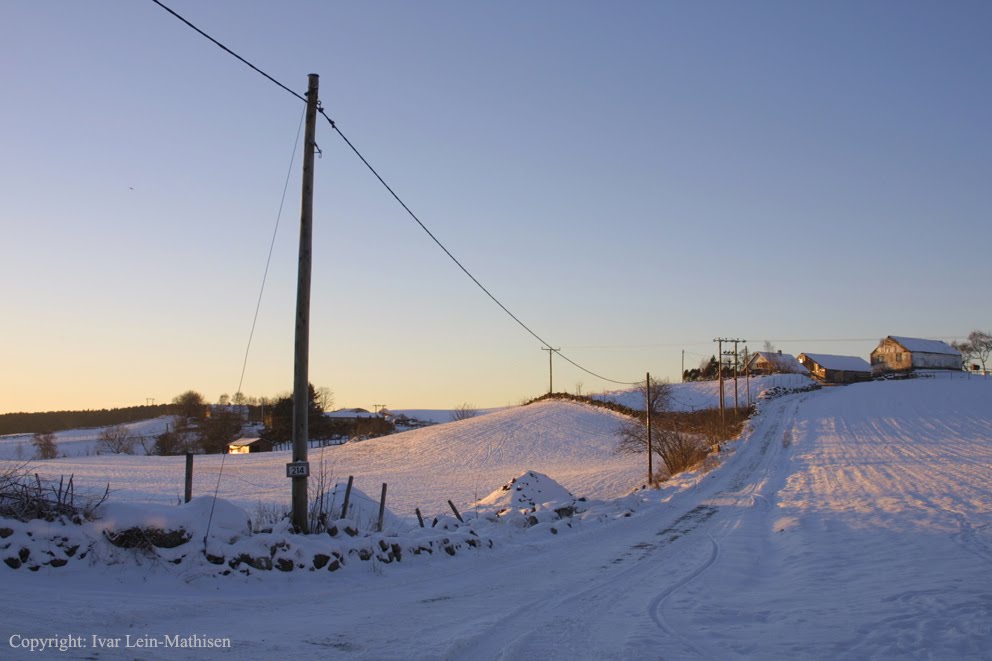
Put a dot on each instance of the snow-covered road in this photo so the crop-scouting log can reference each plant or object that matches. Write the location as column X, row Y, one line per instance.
column 850, row 523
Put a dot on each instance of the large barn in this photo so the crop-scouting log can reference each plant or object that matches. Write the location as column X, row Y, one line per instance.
column 828, row 368
column 904, row 354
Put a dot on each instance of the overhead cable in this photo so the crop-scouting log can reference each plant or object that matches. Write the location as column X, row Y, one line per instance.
column 395, row 196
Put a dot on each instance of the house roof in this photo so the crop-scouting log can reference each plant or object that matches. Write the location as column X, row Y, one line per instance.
column 925, row 346
column 839, row 363
column 783, row 361
column 241, row 442
column 350, row 414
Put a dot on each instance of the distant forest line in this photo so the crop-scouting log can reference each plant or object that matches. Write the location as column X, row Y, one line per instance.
column 54, row 421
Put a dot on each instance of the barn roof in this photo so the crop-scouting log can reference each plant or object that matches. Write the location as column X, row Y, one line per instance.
column 839, row 363
column 925, row 346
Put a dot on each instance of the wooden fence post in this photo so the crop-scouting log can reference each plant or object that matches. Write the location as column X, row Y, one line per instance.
column 382, row 506
column 455, row 510
column 189, row 477
column 347, row 497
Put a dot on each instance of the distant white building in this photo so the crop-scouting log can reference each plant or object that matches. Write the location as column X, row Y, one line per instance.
column 904, row 354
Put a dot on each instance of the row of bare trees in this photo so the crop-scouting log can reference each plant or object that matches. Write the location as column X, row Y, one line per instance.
column 976, row 348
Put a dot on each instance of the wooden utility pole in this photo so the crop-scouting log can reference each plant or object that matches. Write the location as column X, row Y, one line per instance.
column 299, row 470
column 719, row 369
column 551, row 380
column 683, row 365
column 747, row 376
column 736, row 404
column 647, row 424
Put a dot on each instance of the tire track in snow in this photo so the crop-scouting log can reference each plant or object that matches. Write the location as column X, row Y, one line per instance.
column 655, row 608
column 745, row 488
column 555, row 623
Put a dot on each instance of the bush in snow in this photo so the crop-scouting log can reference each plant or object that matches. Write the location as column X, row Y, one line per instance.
column 25, row 497
column 45, row 445
column 117, row 440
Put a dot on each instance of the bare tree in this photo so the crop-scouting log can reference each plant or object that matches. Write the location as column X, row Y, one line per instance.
column 464, row 412
column 117, row 439
column 976, row 348
column 325, row 398
column 45, row 445
column 677, row 450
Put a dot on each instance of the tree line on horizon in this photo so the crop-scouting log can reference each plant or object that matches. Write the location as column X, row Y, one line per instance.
column 196, row 425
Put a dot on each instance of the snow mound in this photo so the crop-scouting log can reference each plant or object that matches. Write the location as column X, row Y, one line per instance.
column 363, row 510
column 528, row 493
column 227, row 521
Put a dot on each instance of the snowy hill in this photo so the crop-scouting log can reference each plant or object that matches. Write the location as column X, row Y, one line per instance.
column 850, row 523
column 462, row 461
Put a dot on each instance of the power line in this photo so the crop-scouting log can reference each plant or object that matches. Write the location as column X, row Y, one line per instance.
column 459, row 264
column 272, row 245
column 231, row 52
column 395, row 196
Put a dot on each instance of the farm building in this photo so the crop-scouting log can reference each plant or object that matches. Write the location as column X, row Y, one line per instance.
column 249, row 445
column 903, row 354
column 766, row 362
column 827, row 368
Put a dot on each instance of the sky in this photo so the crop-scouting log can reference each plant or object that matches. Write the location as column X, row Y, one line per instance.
column 631, row 180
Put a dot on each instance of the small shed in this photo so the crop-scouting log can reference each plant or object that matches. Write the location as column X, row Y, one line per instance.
column 904, row 354
column 828, row 368
column 249, row 445
column 767, row 362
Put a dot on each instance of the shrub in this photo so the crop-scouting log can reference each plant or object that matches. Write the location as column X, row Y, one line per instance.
column 45, row 445
column 117, row 440
column 464, row 412
column 25, row 497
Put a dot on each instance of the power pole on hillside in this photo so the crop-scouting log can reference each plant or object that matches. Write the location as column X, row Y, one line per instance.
column 719, row 370
column 720, row 342
column 551, row 380
column 299, row 469
column 747, row 375
column 728, row 354
column 647, row 424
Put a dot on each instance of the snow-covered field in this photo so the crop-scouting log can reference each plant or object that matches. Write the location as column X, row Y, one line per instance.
column 847, row 523
column 462, row 461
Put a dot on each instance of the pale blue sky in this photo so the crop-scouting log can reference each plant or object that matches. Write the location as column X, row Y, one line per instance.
column 631, row 179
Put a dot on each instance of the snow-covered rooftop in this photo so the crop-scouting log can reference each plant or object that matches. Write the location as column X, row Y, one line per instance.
column 839, row 363
column 925, row 346
column 785, row 362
